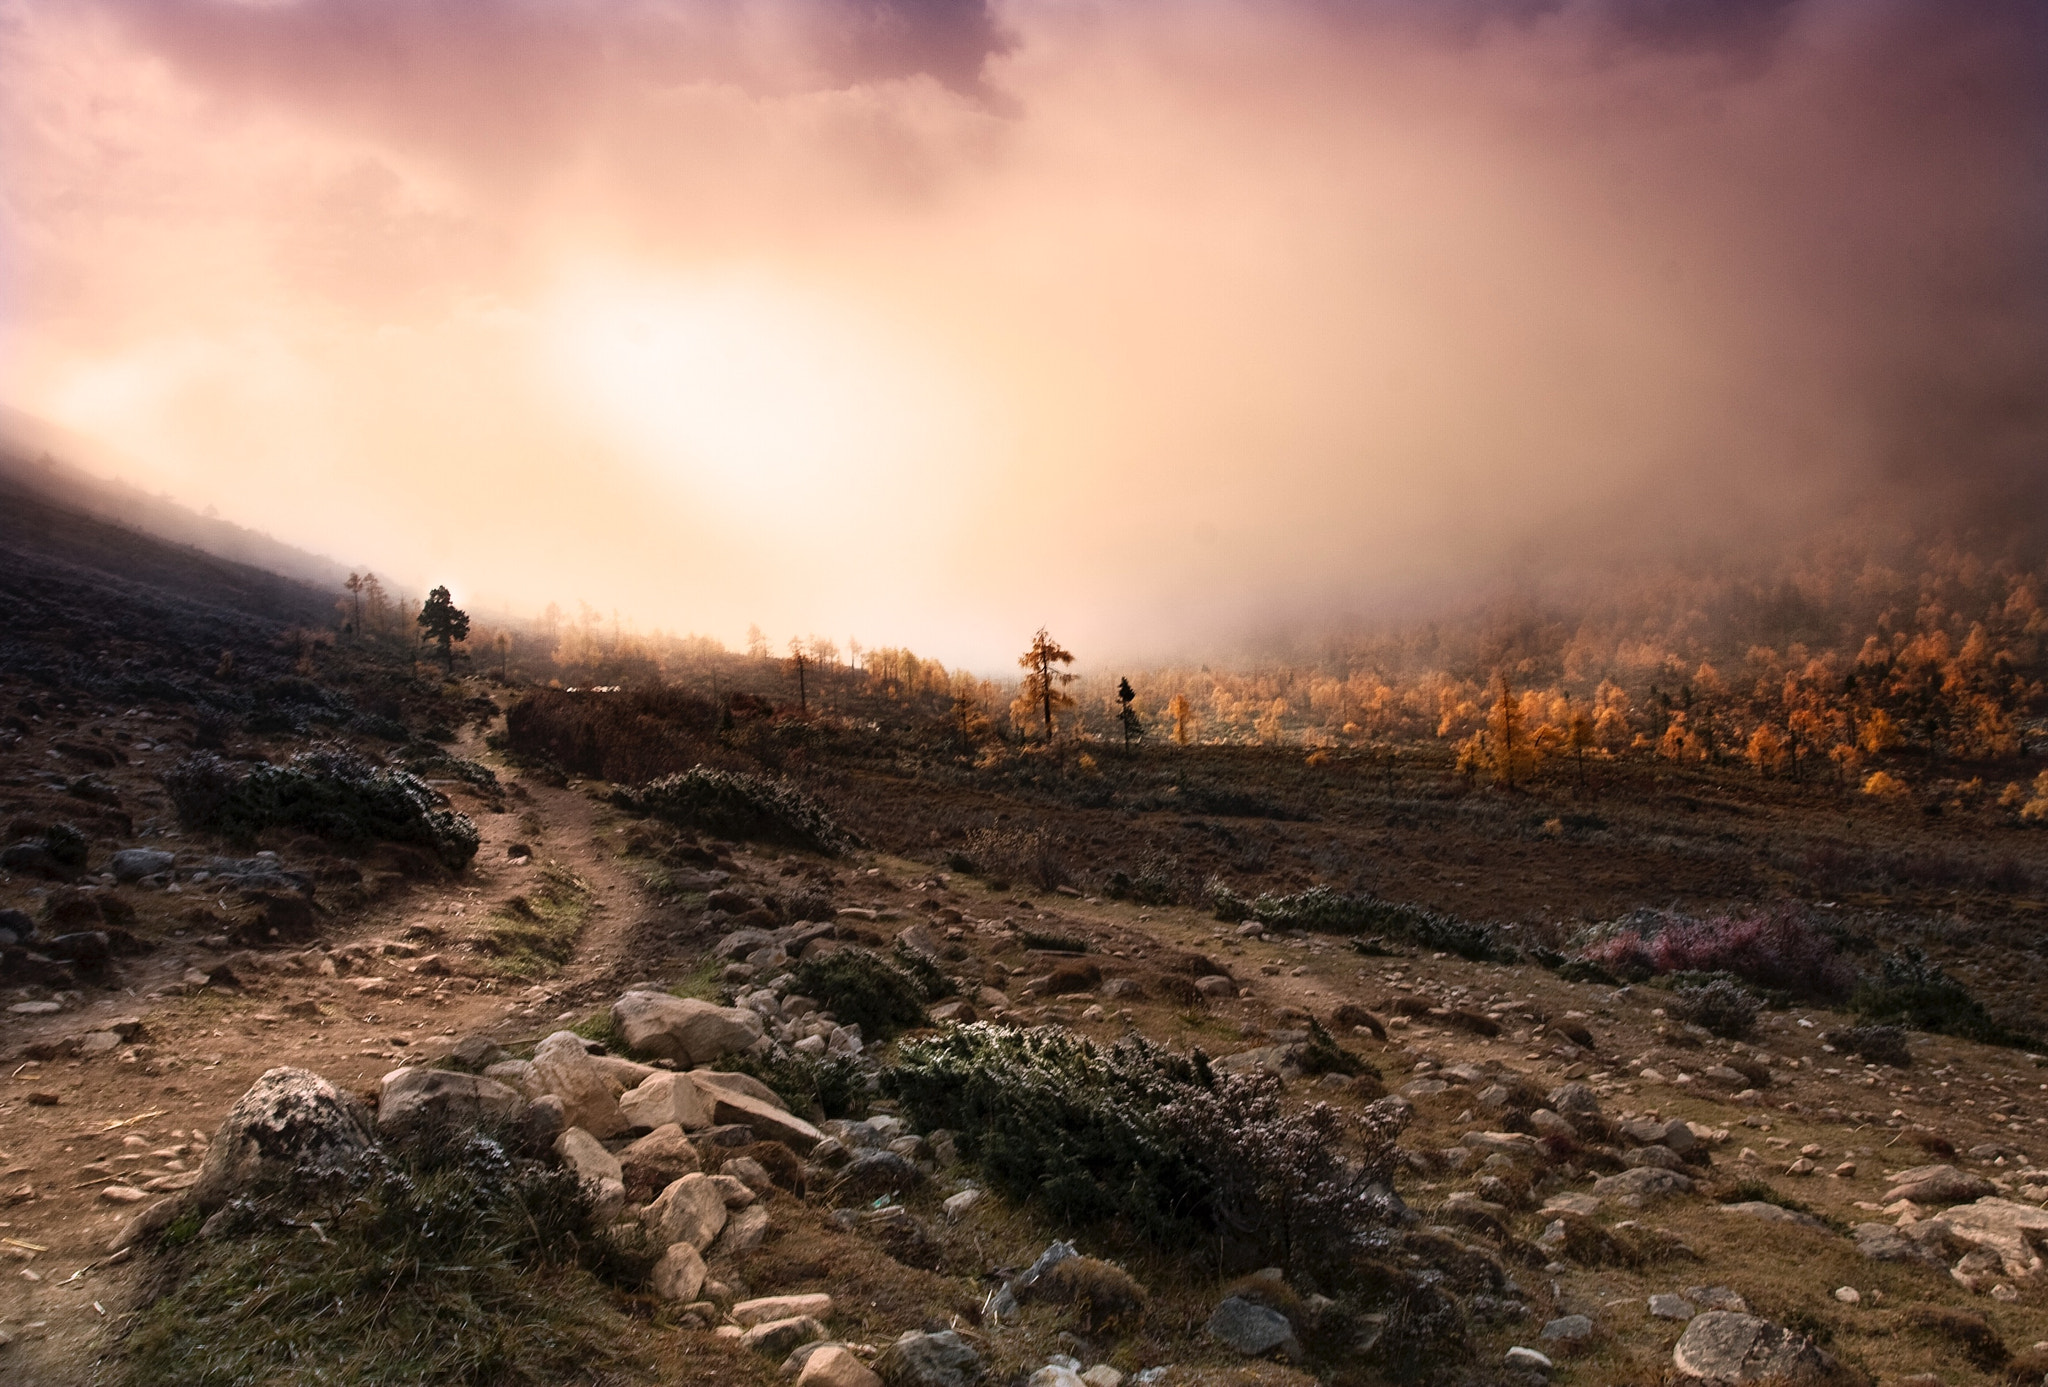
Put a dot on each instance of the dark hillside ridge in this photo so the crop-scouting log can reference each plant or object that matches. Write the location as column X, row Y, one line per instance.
column 90, row 603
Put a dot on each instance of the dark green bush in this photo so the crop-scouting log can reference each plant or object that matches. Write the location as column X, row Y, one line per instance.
column 1321, row 910
column 1910, row 991
column 823, row 1085
column 1140, row 1138
column 734, row 804
column 863, row 989
column 330, row 792
column 1878, row 1044
column 447, row 1261
column 1721, row 1005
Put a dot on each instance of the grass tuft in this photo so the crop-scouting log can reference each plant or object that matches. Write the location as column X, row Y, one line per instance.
column 534, row 934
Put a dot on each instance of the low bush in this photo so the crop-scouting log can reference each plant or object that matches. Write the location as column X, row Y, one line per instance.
column 735, row 804
column 446, row 1261
column 1910, row 991
column 1159, row 879
column 1778, row 950
column 330, row 792
column 1321, row 910
column 1103, row 1294
column 1721, row 1005
column 1138, row 1137
column 820, row 1085
column 1031, row 855
column 1878, row 1044
column 863, row 989
column 1321, row 1054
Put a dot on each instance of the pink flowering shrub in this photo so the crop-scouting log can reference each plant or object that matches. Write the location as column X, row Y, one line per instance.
column 1777, row 949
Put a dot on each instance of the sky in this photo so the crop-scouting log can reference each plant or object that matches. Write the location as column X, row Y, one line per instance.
column 1172, row 327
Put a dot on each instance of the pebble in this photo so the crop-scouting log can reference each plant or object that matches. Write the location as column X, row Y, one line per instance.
column 122, row 1194
column 1520, row 1357
column 1848, row 1295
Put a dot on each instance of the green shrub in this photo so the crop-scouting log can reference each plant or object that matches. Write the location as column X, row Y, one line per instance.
column 1142, row 1138
column 1321, row 910
column 1721, row 1005
column 1910, row 991
column 1878, row 1044
column 447, row 1261
column 824, row 1085
column 330, row 792
column 863, row 989
column 734, row 804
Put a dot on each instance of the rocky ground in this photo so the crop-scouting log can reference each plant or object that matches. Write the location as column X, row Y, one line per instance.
column 1616, row 1196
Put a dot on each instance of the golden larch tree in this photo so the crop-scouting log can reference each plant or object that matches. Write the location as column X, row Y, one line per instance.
column 1044, row 684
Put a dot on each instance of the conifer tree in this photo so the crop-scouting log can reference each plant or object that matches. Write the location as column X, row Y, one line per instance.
column 443, row 623
column 1128, row 715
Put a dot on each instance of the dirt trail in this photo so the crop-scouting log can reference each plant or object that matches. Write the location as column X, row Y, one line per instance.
column 119, row 1118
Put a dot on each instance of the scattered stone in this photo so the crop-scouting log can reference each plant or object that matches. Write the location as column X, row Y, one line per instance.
column 666, row 1099
column 776, row 1338
column 1671, row 1307
column 729, row 1107
column 715, row 1080
column 122, row 1194
column 562, row 1066
column 1102, row 1375
column 690, row 1210
column 679, row 1275
column 873, row 1173
column 1881, row 1242
column 1520, row 1357
column 1569, row 1331
column 596, row 1167
column 781, row 1307
column 1848, row 1295
column 1641, row 1185
column 1939, row 1184
column 1721, row 1347
column 1584, row 1205
column 958, row 1205
column 1252, row 1330
column 410, row 1097
column 133, row 864
column 287, row 1119
column 684, row 1029
column 1716, row 1298
column 834, row 1365
column 743, row 1233
column 1055, row 1375
column 1771, row 1213
column 657, row 1160
column 943, row 1359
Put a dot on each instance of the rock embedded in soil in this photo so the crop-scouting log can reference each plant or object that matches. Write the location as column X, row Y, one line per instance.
column 1938, row 1184
column 666, row 1099
column 684, row 1029
column 749, row 1313
column 411, row 1097
column 1251, row 1329
column 1722, row 1348
column 1569, row 1331
column 834, row 1365
column 679, row 1275
column 944, row 1359
column 1641, row 1185
column 777, row 1337
column 1771, row 1213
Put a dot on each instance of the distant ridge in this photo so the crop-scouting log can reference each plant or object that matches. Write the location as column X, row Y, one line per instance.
column 39, row 459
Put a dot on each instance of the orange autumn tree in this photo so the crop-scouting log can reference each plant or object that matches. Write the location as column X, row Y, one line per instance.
column 1045, row 685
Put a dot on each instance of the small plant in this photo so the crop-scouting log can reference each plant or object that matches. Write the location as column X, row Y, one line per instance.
column 734, row 804
column 1031, row 855
column 534, row 933
column 862, row 988
column 825, row 1085
column 1721, row 1005
column 1103, row 1293
column 1321, row 1054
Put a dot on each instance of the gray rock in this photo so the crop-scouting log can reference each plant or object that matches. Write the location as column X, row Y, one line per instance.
column 1671, row 1307
column 690, row 1210
column 1642, row 1184
column 1938, row 1184
column 133, row 864
column 1716, row 1298
column 930, row 1360
column 1721, row 1347
column 730, row 1107
column 743, row 1233
column 2017, row 1234
column 1252, row 1330
column 476, row 1052
column 1521, row 1357
column 683, row 1029
column 413, row 1097
column 1881, row 1242
column 1574, row 1101
column 777, row 1337
column 873, row 1173
column 738, row 1083
column 287, row 1119
column 1771, row 1213
column 1569, row 1330
column 1660, row 1156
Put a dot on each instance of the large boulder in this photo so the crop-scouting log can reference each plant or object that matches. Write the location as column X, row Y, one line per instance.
column 1722, row 1348
column 2017, row 1234
column 691, row 1210
column 1252, row 1329
column 289, row 1118
column 738, row 1083
column 411, row 1098
column 943, row 1359
column 1938, row 1184
column 665, row 1099
column 562, row 1066
column 657, row 1161
column 683, row 1029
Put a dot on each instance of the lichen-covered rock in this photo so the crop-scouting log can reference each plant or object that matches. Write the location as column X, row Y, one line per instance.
column 287, row 1119
column 930, row 1360
column 679, row 1275
column 1938, row 1184
column 1722, row 1349
column 1251, row 1329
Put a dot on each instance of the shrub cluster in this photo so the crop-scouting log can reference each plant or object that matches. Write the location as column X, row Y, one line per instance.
column 329, row 791
column 627, row 737
column 1158, row 879
column 735, row 804
column 1031, row 855
column 1908, row 990
column 820, row 1085
column 1721, row 1005
column 1322, row 910
column 1878, row 1044
column 446, row 1260
column 863, row 989
column 1778, row 950
column 1139, row 1137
